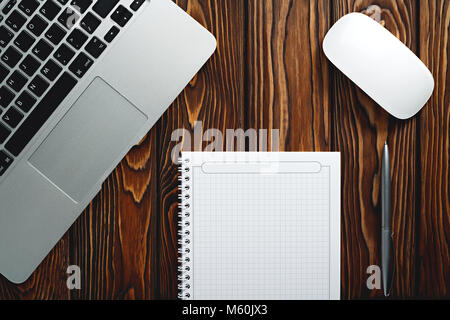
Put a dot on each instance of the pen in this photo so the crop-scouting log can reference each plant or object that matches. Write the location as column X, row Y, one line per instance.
column 387, row 256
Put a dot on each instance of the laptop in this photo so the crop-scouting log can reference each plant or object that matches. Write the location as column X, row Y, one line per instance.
column 81, row 83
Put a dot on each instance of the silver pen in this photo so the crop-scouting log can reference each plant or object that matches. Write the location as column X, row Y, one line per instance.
column 387, row 246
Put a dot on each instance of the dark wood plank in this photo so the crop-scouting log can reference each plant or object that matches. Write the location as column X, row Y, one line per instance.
column 287, row 81
column 360, row 128
column 434, row 231
column 216, row 98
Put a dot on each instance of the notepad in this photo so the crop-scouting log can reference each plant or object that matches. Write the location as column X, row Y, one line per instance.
column 262, row 226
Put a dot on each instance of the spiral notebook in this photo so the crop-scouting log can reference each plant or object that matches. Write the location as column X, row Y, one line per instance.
column 259, row 226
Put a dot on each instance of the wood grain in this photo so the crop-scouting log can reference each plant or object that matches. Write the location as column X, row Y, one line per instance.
column 360, row 128
column 433, row 233
column 269, row 72
column 287, row 73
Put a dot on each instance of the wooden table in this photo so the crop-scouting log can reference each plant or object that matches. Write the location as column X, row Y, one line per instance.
column 269, row 72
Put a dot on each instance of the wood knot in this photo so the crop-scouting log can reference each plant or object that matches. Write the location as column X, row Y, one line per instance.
column 375, row 12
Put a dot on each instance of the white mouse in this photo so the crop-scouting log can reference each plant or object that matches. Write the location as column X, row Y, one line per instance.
column 380, row 64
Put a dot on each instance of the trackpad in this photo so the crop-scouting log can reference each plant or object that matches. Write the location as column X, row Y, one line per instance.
column 91, row 136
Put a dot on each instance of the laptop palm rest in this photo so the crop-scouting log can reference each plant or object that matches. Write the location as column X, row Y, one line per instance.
column 89, row 140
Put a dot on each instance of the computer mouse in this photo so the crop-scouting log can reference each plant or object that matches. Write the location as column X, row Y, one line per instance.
column 380, row 64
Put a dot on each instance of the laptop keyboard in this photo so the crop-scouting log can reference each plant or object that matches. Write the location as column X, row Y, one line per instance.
column 46, row 47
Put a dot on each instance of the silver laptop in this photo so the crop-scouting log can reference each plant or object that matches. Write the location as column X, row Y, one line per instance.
column 82, row 82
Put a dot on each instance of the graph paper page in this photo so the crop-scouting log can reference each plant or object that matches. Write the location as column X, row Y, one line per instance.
column 265, row 225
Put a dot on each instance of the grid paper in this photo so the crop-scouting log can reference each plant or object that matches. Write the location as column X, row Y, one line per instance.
column 262, row 236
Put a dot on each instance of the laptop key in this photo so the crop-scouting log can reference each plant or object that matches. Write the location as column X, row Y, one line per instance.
column 51, row 70
column 77, row 39
column 121, row 16
column 38, row 86
column 37, row 118
column 2, row 170
column 55, row 34
column 68, row 18
column 25, row 101
column 5, row 36
column 8, row 7
column 29, row 65
column 81, row 65
column 5, row 160
column 4, row 133
column 90, row 23
column 13, row 117
column 136, row 4
column 112, row 33
column 104, row 7
column 6, row 96
column 64, row 54
column 42, row 49
column 81, row 5
column 50, row 10
column 28, row 6
column 16, row 20
column 17, row 81
column 24, row 41
column 95, row 47
column 37, row 25
column 3, row 72
column 11, row 57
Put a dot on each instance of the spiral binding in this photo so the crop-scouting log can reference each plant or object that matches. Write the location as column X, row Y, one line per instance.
column 184, row 231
